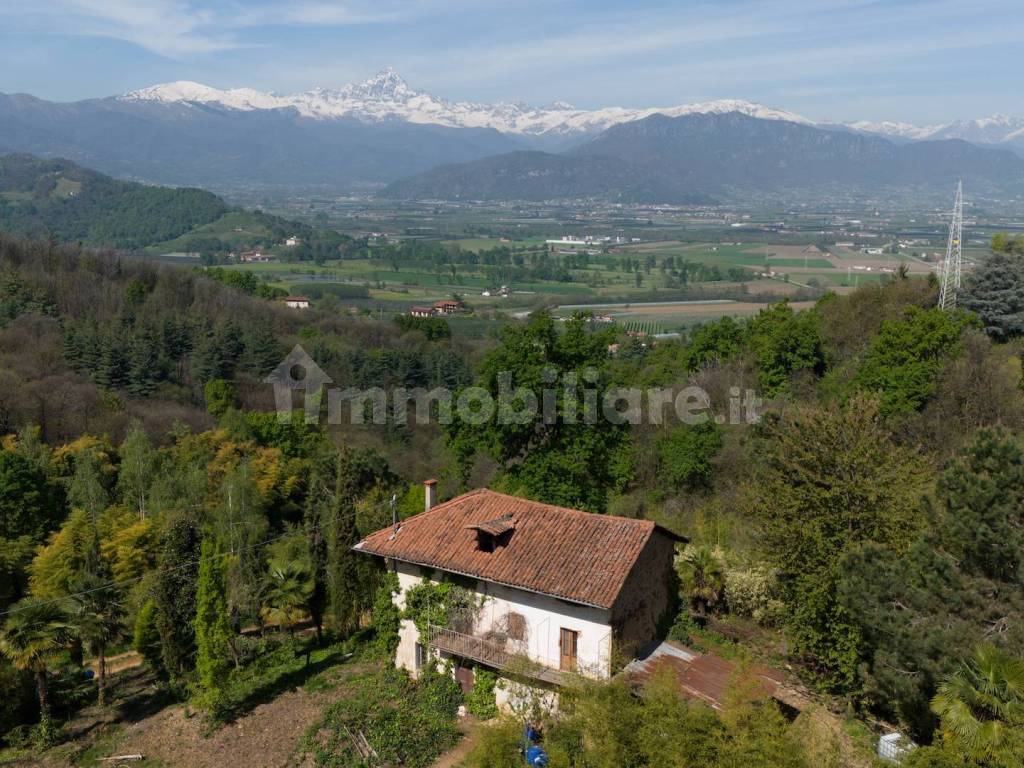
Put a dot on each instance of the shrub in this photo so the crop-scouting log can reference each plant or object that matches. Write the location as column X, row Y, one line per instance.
column 443, row 605
column 387, row 618
column 685, row 454
column 439, row 690
column 752, row 592
column 405, row 722
column 481, row 701
column 219, row 395
column 146, row 638
column 498, row 746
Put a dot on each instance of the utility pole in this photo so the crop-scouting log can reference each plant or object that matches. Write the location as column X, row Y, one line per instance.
column 954, row 254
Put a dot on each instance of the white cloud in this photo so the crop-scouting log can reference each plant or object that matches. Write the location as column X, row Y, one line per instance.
column 179, row 28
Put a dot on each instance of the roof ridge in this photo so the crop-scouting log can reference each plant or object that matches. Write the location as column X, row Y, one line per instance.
column 548, row 505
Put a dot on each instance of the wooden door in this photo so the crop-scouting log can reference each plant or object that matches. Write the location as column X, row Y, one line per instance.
column 465, row 677
column 567, row 644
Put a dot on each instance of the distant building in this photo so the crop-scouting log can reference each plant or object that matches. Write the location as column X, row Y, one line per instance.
column 571, row 243
column 250, row 257
column 296, row 302
column 292, row 241
column 422, row 311
column 448, row 307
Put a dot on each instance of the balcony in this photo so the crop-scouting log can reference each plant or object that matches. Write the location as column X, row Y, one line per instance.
column 492, row 654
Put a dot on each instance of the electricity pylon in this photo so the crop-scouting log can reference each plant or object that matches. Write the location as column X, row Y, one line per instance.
column 954, row 253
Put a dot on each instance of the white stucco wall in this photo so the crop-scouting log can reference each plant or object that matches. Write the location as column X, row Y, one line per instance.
column 545, row 616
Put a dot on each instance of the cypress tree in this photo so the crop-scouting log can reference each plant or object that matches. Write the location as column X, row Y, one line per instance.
column 212, row 628
column 175, row 595
column 343, row 569
column 317, row 513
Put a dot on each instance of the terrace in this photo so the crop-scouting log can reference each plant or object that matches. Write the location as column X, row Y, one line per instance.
column 491, row 653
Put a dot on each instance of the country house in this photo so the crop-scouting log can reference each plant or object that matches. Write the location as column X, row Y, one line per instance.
column 558, row 590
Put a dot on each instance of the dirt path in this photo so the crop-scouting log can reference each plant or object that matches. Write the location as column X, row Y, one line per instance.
column 118, row 663
column 171, row 736
column 266, row 737
column 453, row 758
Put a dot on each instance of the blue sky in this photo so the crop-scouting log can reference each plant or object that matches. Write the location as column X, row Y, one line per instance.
column 919, row 62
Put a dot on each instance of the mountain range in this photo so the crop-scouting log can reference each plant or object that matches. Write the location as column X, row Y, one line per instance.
column 387, row 96
column 693, row 158
column 384, row 132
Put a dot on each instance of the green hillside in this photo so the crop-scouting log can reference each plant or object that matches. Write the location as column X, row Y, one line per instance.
column 56, row 197
column 43, row 198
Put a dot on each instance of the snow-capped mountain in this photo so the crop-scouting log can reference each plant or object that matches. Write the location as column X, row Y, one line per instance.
column 997, row 129
column 380, row 131
column 386, row 96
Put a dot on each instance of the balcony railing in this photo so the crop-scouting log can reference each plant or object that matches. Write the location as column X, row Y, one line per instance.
column 492, row 654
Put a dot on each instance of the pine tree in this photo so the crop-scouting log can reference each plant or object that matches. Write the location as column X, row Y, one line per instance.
column 73, row 346
column 995, row 292
column 261, row 350
column 982, row 495
column 143, row 366
column 90, row 349
column 112, row 370
column 207, row 359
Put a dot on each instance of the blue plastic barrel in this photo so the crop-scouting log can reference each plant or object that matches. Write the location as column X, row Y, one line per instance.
column 536, row 755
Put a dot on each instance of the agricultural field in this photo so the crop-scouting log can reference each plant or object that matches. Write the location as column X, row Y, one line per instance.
column 662, row 281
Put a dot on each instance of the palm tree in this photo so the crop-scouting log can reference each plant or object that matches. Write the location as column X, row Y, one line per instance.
column 703, row 580
column 32, row 639
column 286, row 595
column 981, row 707
column 98, row 617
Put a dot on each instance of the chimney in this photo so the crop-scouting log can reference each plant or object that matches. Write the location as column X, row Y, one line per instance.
column 429, row 494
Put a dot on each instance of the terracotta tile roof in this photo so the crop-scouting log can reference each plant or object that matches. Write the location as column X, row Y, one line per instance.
column 496, row 527
column 566, row 553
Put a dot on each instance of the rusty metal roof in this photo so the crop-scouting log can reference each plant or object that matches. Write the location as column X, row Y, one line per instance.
column 704, row 676
column 577, row 556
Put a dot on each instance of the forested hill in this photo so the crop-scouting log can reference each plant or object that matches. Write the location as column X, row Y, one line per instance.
column 56, row 197
column 90, row 342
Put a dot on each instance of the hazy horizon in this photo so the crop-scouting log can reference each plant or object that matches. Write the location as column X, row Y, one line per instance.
column 917, row 62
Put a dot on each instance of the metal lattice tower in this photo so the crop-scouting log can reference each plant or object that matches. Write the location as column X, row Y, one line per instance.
column 954, row 252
